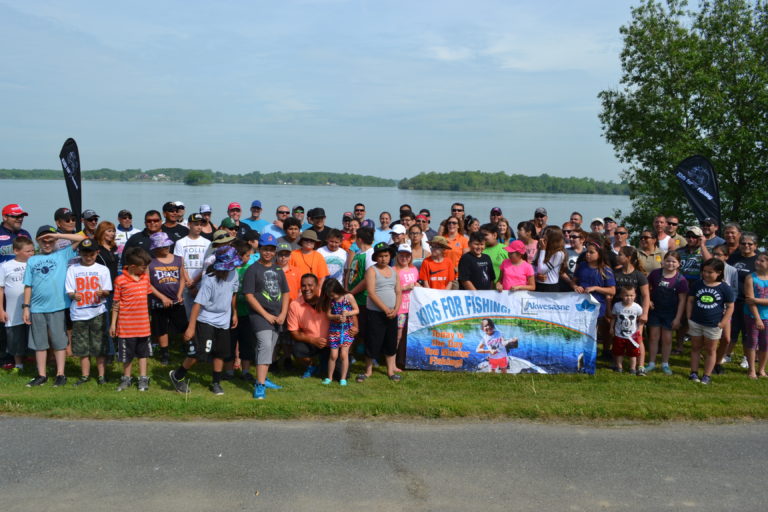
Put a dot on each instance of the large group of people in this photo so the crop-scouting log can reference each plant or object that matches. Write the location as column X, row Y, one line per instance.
column 293, row 292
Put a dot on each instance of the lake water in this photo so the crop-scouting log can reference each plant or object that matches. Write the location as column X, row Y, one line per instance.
column 42, row 197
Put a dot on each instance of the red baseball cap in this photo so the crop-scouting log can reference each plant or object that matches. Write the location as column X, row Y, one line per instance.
column 233, row 206
column 13, row 209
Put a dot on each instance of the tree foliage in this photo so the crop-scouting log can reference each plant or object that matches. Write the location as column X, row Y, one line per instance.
column 693, row 82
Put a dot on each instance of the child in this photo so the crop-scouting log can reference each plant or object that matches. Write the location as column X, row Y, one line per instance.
column 475, row 268
column 526, row 233
column 669, row 290
column 130, row 316
column 495, row 346
column 552, row 261
column 516, row 272
column 437, row 271
column 630, row 273
column 45, row 301
column 493, row 248
column 88, row 285
column 593, row 276
column 241, row 338
column 341, row 309
column 11, row 299
column 307, row 260
column 266, row 292
column 293, row 278
column 408, row 275
column 335, row 256
column 710, row 306
column 627, row 334
column 167, row 276
column 755, row 316
column 212, row 316
column 192, row 249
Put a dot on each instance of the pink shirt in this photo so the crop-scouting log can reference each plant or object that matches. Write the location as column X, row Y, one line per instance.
column 407, row 276
column 515, row 275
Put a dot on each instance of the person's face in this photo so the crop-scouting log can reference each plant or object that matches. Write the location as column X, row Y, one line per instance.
column 423, row 224
column 503, row 227
column 67, row 224
column 267, row 253
column 180, row 213
column 47, row 244
column 13, row 222
column 597, row 227
column 437, row 251
column 747, row 246
column 360, row 213
column 672, row 223
column 318, row 222
column 137, row 270
column 283, row 257
column 398, row 238
column 195, row 228
column 26, row 252
column 708, row 229
column 282, row 213
column 477, row 248
column 170, row 216
column 576, row 219
column 234, row 214
column 709, row 274
column 576, row 240
column 628, row 297
column 407, row 222
column 308, row 288
column 692, row 240
column 660, row 224
column 495, row 217
column 125, row 222
column 385, row 220
column 719, row 254
column 671, row 264
column 354, row 225
column 333, row 243
column 523, row 234
column 299, row 214
column 491, row 239
column 732, row 236
column 382, row 258
column 414, row 234
column 610, row 227
column 487, row 327
column 152, row 223
column 540, row 220
column 592, row 256
column 647, row 240
column 90, row 224
column 232, row 231
column 206, row 218
column 345, row 225
column 473, row 226
column 109, row 235
column 622, row 259
column 761, row 263
column 621, row 235
column 255, row 212
column 403, row 258
column 292, row 232
column 452, row 226
column 307, row 245
column 161, row 252
column 88, row 257
column 457, row 211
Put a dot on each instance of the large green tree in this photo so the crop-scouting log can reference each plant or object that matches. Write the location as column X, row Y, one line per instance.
column 693, row 82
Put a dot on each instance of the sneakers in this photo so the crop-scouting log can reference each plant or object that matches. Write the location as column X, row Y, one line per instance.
column 101, row 380
column 666, row 369
column 143, row 383
column 617, row 369
column 651, row 366
column 719, row 370
column 343, row 382
column 641, row 372
column 726, row 359
column 165, row 360
column 271, row 385
column 744, row 364
column 694, row 377
column 327, row 381
column 310, row 371
column 82, row 380
column 216, row 389
column 706, row 379
column 37, row 381
column 229, row 375
column 125, row 383
column 181, row 385
column 259, row 392
column 61, row 380
column 248, row 377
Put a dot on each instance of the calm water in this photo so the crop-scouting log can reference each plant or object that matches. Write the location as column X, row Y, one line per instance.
column 41, row 198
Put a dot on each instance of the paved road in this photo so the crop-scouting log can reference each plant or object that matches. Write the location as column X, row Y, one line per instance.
column 354, row 465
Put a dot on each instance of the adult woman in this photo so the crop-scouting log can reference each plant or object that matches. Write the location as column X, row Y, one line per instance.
column 459, row 244
column 418, row 252
column 648, row 252
column 505, row 232
column 744, row 261
column 209, row 228
column 471, row 224
column 577, row 238
column 104, row 237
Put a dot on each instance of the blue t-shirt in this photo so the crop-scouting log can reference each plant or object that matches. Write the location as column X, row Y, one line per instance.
column 273, row 230
column 46, row 274
column 587, row 276
column 709, row 302
column 258, row 225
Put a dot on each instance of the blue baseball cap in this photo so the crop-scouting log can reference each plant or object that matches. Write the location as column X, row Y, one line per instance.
column 256, row 204
column 267, row 239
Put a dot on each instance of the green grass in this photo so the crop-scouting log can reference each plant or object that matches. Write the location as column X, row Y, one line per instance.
column 606, row 396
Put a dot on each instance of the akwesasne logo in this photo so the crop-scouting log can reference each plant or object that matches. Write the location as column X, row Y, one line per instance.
column 585, row 306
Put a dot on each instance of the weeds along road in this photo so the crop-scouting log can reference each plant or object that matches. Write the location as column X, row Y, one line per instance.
column 376, row 465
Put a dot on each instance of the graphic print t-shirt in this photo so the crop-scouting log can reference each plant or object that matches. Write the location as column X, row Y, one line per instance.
column 267, row 284
column 166, row 278
column 709, row 302
column 87, row 281
column 12, row 282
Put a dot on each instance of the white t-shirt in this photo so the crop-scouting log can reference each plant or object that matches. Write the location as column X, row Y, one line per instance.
column 193, row 252
column 335, row 261
column 87, row 281
column 12, row 282
column 551, row 269
column 626, row 319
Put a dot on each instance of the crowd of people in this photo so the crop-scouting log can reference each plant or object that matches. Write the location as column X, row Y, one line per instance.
column 295, row 293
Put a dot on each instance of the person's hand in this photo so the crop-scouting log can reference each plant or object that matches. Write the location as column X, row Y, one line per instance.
column 759, row 324
column 651, row 305
column 353, row 331
column 722, row 324
column 3, row 317
column 499, row 287
column 579, row 289
column 234, row 320
column 189, row 333
column 750, row 301
column 166, row 302
column 321, row 342
column 189, row 284
column 676, row 324
column 541, row 277
column 280, row 319
column 113, row 330
column 271, row 319
column 179, row 299
column 77, row 296
column 391, row 313
column 643, row 319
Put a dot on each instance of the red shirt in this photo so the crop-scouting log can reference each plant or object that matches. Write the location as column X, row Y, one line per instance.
column 131, row 298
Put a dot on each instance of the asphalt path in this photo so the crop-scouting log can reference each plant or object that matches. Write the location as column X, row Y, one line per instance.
column 377, row 465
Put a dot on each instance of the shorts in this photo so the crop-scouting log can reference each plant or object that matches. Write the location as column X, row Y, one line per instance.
column 624, row 347
column 18, row 339
column 382, row 335
column 242, row 341
column 209, row 342
column 737, row 322
column 88, row 337
column 162, row 318
column 42, row 325
column 402, row 320
column 129, row 349
column 499, row 363
column 752, row 339
column 710, row 333
column 340, row 338
column 68, row 319
column 661, row 318
column 303, row 350
column 266, row 341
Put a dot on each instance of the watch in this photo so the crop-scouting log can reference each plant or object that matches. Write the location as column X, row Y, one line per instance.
column 25, row 305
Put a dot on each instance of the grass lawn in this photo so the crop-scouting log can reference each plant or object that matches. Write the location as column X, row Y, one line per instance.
column 606, row 396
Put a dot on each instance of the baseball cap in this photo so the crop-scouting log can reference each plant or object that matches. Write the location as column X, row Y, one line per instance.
column 283, row 247
column 89, row 214
column 426, row 212
column 170, row 206
column 228, row 223
column 179, row 204
column 606, row 220
column 44, row 230
column 87, row 245
column 497, row 211
column 204, row 208
column 404, row 248
column 541, row 212
column 267, row 239
column 597, row 220
column 297, row 209
column 63, row 213
column 347, row 216
column 709, row 221
column 421, row 217
column 398, row 229
column 123, row 214
column 696, row 230
column 255, row 204
column 195, row 217
column 13, row 209
column 234, row 206
column 515, row 246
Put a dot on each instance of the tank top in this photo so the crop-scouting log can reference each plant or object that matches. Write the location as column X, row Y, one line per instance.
column 385, row 290
column 760, row 291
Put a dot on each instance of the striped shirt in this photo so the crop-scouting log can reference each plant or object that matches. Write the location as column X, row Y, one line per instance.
column 131, row 298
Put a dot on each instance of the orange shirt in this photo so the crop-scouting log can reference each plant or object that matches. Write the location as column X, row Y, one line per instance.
column 312, row 263
column 304, row 318
column 131, row 298
column 459, row 246
column 294, row 282
column 437, row 275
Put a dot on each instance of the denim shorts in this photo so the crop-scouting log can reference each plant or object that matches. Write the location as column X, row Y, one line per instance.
column 661, row 318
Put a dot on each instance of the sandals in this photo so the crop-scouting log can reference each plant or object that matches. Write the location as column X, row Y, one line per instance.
column 395, row 377
column 361, row 378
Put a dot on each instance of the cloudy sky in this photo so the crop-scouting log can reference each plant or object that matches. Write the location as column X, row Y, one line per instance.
column 389, row 88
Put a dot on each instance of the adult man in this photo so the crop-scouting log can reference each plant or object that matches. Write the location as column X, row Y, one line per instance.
column 407, row 220
column 152, row 224
column 693, row 253
column 709, row 229
column 495, row 215
column 317, row 219
column 597, row 225
column 233, row 212
column 672, row 223
column 13, row 217
column 64, row 218
column 540, row 220
column 298, row 213
column 662, row 238
column 124, row 229
column 171, row 226
column 308, row 326
column 90, row 220
column 610, row 226
column 254, row 221
column 381, row 234
column 424, row 223
column 276, row 228
column 457, row 210
column 576, row 219
column 180, row 211
column 359, row 212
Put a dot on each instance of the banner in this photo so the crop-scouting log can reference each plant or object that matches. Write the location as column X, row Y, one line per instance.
column 70, row 164
column 488, row 331
column 699, row 182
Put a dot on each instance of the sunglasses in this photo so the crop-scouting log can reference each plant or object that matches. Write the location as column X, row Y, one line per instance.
column 283, row 212
column 235, row 210
column 576, row 237
column 151, row 221
column 621, row 233
column 566, row 231
column 123, row 217
column 454, row 223
column 17, row 217
column 673, row 223
column 691, row 235
column 457, row 210
column 359, row 209
column 647, row 238
column 539, row 216
column 746, row 243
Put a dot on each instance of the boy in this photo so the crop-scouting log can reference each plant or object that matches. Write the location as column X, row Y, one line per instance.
column 355, row 283
column 476, row 268
column 493, row 248
column 437, row 270
column 307, row 260
column 335, row 257
column 130, row 317
column 241, row 337
column 293, row 278
column 12, row 295
column 88, row 283
column 45, row 301
column 626, row 333
column 192, row 248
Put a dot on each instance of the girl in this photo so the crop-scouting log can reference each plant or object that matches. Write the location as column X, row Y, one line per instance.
column 495, row 346
column 516, row 272
column 648, row 252
column 408, row 275
column 669, row 290
column 593, row 276
column 552, row 260
column 471, row 225
column 383, row 303
column 731, row 276
column 341, row 308
column 756, row 315
column 526, row 233
column 167, row 277
column 710, row 306
column 505, row 233
column 630, row 274
column 577, row 238
column 418, row 251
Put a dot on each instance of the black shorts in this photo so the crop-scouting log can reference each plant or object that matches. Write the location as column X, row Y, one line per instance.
column 302, row 350
column 129, row 349
column 209, row 343
column 382, row 335
column 243, row 337
column 161, row 318
column 68, row 319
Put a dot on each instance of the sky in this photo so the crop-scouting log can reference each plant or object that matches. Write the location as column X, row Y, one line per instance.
column 386, row 88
